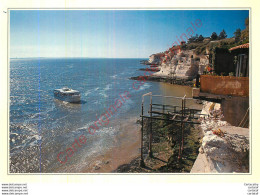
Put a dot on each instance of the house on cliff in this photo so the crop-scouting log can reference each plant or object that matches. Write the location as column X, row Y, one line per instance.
column 241, row 58
column 231, row 62
column 230, row 83
column 232, row 72
column 232, row 92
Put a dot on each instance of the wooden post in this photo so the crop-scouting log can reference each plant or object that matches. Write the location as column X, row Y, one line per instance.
column 150, row 131
column 184, row 104
column 182, row 129
column 180, row 141
column 142, row 134
column 182, row 125
column 163, row 109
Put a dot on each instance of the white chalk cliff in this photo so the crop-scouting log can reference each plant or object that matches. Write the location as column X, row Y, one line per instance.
column 183, row 64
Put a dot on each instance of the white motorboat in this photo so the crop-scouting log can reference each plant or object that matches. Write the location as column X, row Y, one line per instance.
column 67, row 94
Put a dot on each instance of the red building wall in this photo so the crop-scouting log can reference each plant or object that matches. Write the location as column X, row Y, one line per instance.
column 225, row 85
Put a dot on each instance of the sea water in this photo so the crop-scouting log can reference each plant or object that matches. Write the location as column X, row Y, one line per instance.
column 41, row 127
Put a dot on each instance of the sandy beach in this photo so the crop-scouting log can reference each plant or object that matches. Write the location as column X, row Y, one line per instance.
column 127, row 147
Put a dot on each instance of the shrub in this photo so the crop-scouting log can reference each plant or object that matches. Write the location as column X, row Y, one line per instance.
column 231, row 74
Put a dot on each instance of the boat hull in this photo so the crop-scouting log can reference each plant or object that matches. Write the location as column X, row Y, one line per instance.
column 67, row 95
column 75, row 99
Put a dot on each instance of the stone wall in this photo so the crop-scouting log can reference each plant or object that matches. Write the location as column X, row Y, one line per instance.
column 225, row 85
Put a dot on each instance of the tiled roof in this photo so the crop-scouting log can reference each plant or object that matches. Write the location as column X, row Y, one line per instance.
column 240, row 47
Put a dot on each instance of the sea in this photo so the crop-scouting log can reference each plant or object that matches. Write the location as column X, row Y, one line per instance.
column 42, row 127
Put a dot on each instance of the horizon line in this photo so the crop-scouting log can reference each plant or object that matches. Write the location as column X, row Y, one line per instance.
column 82, row 57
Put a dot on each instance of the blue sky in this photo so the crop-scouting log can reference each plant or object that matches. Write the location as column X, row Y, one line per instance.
column 110, row 33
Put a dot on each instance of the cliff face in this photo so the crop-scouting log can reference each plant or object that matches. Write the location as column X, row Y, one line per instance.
column 183, row 64
column 155, row 58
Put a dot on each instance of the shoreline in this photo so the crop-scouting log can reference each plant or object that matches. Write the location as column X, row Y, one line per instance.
column 124, row 156
column 176, row 81
column 125, row 149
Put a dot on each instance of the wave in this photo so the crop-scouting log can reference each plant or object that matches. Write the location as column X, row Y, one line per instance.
column 114, row 76
column 22, row 137
column 103, row 94
column 87, row 92
column 107, row 87
column 145, row 86
column 70, row 65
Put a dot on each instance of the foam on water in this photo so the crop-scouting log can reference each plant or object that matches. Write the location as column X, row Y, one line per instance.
column 145, row 86
column 107, row 87
column 103, row 94
column 114, row 76
column 41, row 127
column 87, row 92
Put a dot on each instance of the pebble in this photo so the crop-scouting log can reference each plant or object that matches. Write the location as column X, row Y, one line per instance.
column 97, row 167
column 106, row 162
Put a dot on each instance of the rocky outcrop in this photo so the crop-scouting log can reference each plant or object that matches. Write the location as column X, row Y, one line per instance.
column 180, row 64
column 155, row 58
column 225, row 148
column 226, row 154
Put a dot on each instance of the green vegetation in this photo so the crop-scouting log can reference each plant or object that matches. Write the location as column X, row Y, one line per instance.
column 167, row 136
column 245, row 33
column 222, row 35
column 214, row 36
column 200, row 43
column 237, row 35
column 200, row 47
column 195, row 39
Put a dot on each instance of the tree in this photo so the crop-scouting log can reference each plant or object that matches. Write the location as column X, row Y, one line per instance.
column 245, row 32
column 191, row 39
column 237, row 35
column 196, row 37
column 222, row 34
column 200, row 38
column 214, row 36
